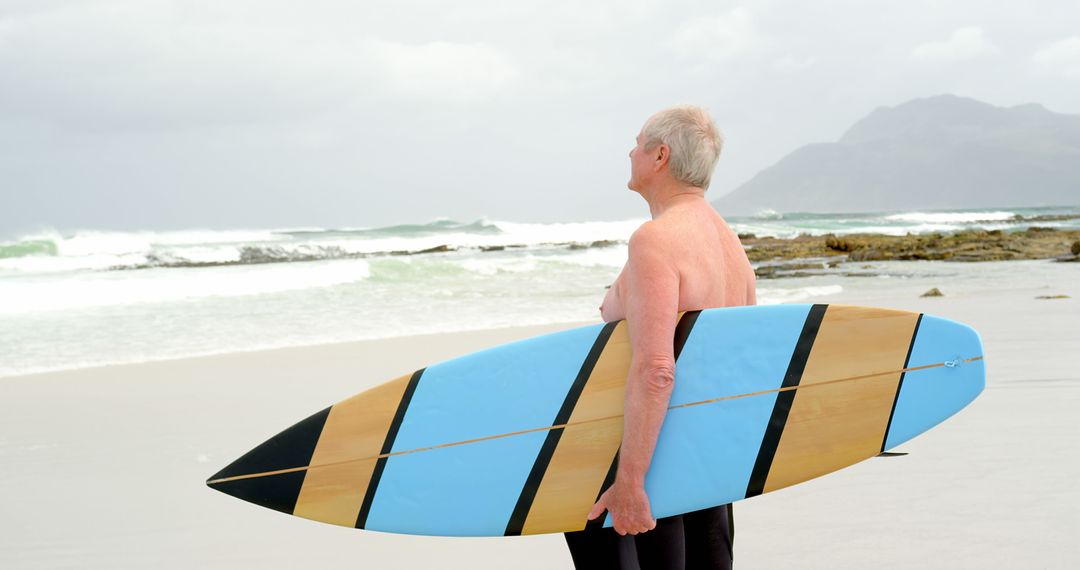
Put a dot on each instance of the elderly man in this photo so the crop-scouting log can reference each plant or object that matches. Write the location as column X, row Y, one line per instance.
column 685, row 258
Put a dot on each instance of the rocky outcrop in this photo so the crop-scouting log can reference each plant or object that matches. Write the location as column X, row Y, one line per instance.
column 974, row 245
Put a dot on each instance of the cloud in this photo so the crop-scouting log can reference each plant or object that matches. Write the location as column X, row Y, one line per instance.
column 90, row 68
column 717, row 37
column 964, row 43
column 443, row 70
column 793, row 63
column 96, row 67
column 1061, row 58
column 6, row 26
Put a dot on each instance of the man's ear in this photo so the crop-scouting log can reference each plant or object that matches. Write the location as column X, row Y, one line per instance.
column 663, row 154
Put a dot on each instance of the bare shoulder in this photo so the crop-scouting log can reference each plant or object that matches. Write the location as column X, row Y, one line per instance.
column 654, row 244
column 677, row 231
column 652, row 234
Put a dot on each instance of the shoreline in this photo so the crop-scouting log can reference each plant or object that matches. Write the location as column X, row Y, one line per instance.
column 498, row 332
column 882, row 283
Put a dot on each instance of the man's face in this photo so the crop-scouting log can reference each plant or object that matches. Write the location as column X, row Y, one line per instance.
column 640, row 165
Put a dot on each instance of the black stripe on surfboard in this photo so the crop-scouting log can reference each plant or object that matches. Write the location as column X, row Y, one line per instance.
column 547, row 451
column 388, row 446
column 900, row 384
column 682, row 332
column 609, row 480
column 287, row 450
column 782, row 407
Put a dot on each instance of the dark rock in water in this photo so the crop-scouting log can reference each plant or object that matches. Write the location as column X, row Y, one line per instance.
column 597, row 243
column 1053, row 297
column 777, row 270
column 492, row 248
column 1045, row 217
column 437, row 249
column 935, row 292
column 747, row 236
column 252, row 254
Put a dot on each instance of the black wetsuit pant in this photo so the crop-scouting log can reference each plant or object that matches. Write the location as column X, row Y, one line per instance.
column 701, row 539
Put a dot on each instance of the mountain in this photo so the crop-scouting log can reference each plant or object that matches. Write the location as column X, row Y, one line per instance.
column 942, row 152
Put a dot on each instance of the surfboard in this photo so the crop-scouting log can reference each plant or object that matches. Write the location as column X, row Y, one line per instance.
column 522, row 438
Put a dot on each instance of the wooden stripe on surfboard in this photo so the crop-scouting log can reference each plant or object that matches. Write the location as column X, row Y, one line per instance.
column 536, row 475
column 335, row 488
column 584, row 452
column 388, row 445
column 835, row 426
column 782, row 406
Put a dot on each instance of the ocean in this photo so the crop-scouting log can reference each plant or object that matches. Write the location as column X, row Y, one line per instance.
column 73, row 299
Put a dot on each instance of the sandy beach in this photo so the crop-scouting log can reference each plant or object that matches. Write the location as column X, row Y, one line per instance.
column 105, row 467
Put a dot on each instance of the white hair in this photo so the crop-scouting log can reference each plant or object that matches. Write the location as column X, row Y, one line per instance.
column 694, row 141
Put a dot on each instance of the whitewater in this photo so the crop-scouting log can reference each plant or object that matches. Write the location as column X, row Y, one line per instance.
column 78, row 298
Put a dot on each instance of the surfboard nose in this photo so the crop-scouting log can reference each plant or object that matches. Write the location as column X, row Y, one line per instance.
column 272, row 474
column 948, row 373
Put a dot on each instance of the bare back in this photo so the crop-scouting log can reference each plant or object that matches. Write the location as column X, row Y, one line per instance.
column 712, row 265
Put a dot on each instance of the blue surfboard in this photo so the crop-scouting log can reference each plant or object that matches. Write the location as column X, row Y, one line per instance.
column 522, row 438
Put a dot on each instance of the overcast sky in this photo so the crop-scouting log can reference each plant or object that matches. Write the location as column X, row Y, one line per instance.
column 153, row 114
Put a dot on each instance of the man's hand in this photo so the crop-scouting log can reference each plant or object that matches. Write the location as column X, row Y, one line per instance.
column 629, row 508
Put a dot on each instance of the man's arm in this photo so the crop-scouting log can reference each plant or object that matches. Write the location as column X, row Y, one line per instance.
column 651, row 313
column 652, row 286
